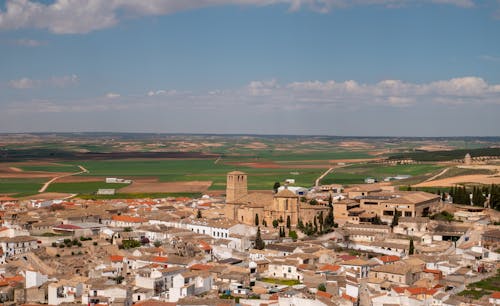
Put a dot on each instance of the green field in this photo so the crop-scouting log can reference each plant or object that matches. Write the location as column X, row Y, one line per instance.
column 51, row 168
column 82, row 187
column 355, row 174
column 20, row 187
column 174, row 170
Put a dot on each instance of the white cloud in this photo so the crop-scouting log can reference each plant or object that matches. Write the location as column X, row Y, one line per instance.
column 490, row 58
column 112, row 95
column 27, row 83
column 84, row 16
column 270, row 95
column 161, row 92
column 29, row 43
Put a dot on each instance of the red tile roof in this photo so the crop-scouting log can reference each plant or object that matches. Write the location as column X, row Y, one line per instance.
column 129, row 219
column 389, row 258
column 496, row 295
column 160, row 259
column 116, row 258
column 324, row 294
column 200, row 267
column 331, row 268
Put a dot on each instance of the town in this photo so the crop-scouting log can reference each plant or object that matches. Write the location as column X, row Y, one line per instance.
column 367, row 244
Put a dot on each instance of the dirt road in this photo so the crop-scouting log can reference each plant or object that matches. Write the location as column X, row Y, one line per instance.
column 47, row 184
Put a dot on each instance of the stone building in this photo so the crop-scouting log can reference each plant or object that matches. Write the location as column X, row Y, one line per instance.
column 246, row 207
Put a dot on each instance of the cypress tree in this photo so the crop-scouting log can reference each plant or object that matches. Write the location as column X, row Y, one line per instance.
column 411, row 248
column 395, row 219
column 259, row 243
column 256, row 219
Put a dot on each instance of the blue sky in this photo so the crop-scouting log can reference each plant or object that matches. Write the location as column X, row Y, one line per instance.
column 336, row 67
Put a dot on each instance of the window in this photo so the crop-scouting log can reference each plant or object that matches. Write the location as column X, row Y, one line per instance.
column 407, row 213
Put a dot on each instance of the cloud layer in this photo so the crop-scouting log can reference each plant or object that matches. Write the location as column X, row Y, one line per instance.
column 271, row 95
column 27, row 83
column 84, row 16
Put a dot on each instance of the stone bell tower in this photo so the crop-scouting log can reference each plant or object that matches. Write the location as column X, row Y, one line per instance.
column 236, row 186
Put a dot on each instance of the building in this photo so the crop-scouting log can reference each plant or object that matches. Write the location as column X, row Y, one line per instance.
column 283, row 206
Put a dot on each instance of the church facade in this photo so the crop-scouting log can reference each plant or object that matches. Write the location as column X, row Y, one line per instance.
column 247, row 207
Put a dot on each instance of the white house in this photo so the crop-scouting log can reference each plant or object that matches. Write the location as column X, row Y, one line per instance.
column 18, row 245
column 64, row 292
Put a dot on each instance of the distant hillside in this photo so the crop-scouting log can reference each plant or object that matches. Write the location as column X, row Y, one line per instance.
column 446, row 155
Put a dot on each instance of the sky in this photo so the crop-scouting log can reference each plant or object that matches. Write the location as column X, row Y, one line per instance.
column 305, row 67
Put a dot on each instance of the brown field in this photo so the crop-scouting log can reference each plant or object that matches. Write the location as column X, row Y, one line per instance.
column 472, row 178
column 153, row 186
column 80, row 179
column 451, row 181
column 48, row 196
column 356, row 144
column 274, row 165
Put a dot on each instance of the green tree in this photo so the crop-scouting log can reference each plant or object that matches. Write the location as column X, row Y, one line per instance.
column 395, row 219
column 313, row 202
column 256, row 219
column 292, row 234
column 376, row 220
column 127, row 229
column 329, row 221
column 411, row 249
column 275, row 223
column 288, row 222
column 259, row 243
column 276, row 186
column 157, row 243
column 322, row 287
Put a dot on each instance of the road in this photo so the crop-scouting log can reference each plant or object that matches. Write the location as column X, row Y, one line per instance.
column 318, row 180
column 47, row 184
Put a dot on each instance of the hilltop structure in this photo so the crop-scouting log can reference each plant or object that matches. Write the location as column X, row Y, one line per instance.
column 285, row 205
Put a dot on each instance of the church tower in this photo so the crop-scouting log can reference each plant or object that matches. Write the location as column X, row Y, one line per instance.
column 236, row 186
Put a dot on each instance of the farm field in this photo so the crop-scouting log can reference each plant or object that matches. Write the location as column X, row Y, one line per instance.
column 355, row 174
column 164, row 163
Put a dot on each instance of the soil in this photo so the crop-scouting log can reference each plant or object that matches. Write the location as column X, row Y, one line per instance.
column 153, row 186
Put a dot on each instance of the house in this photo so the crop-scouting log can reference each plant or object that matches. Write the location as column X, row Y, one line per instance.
column 189, row 284
column 399, row 273
column 127, row 221
column 18, row 245
column 494, row 298
column 102, row 292
column 284, row 269
column 362, row 267
column 64, row 291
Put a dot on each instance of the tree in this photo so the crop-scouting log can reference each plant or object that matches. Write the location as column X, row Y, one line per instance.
column 329, row 222
column 264, row 223
column 376, row 220
column 395, row 219
column 157, row 243
column 292, row 234
column 259, row 243
column 313, row 202
column 127, row 229
column 256, row 219
column 300, row 225
column 288, row 222
column 275, row 223
column 276, row 186
column 322, row 287
column 478, row 198
column 198, row 215
column 321, row 220
column 411, row 249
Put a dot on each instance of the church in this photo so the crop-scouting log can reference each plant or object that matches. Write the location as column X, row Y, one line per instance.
column 285, row 205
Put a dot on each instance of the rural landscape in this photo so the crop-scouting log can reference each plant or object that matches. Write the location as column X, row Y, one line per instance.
column 51, row 165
